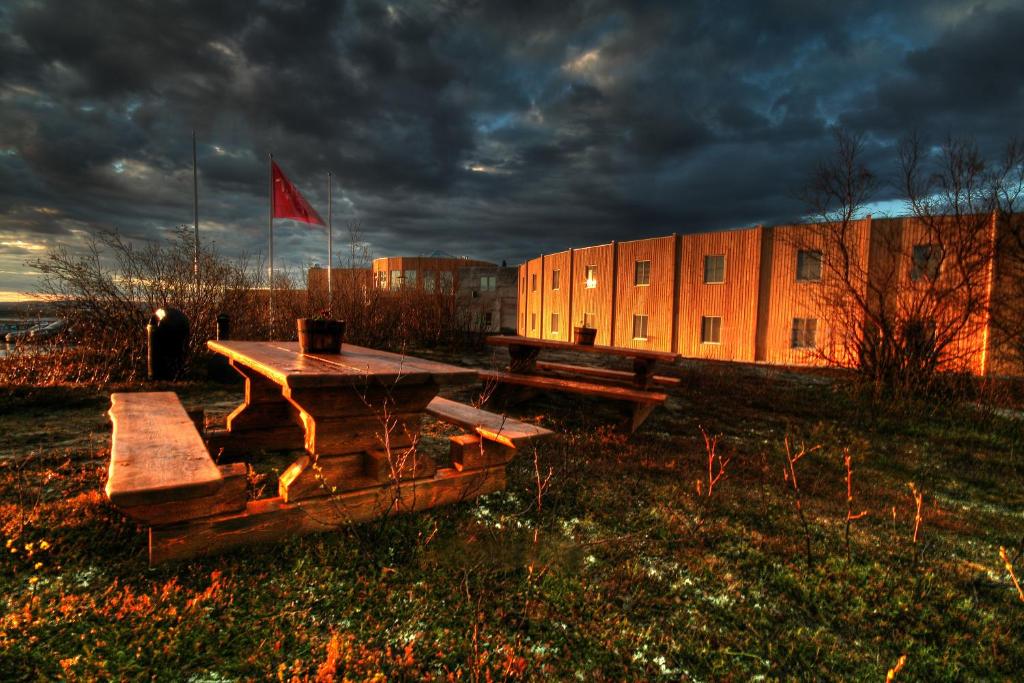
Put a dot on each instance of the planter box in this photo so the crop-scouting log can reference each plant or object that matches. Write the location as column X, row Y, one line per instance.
column 320, row 336
column 585, row 336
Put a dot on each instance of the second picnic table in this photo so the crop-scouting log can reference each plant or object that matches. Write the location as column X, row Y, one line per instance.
column 634, row 387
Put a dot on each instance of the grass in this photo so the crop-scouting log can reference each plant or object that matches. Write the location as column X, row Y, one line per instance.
column 609, row 577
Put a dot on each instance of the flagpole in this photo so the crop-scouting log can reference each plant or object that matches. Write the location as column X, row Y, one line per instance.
column 270, row 174
column 195, row 207
column 330, row 248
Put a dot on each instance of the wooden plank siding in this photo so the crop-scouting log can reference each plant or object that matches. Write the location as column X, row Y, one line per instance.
column 734, row 301
column 967, row 352
column 1004, row 359
column 598, row 299
column 759, row 300
column 653, row 300
column 534, row 292
column 556, row 301
column 789, row 298
column 522, row 312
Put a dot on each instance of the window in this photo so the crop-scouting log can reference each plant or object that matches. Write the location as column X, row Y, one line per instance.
column 429, row 282
column 381, row 279
column 804, row 332
column 639, row 326
column 714, row 269
column 533, row 321
column 533, row 283
column 926, row 262
column 808, row 266
column 446, row 281
column 588, row 320
column 488, row 283
column 396, row 279
column 590, row 276
column 711, row 329
column 556, row 276
column 642, row 273
column 488, row 320
column 410, row 278
column 554, row 323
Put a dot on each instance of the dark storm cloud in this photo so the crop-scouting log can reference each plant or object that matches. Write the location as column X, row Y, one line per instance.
column 492, row 129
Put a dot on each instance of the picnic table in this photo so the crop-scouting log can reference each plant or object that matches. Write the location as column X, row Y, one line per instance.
column 633, row 387
column 354, row 419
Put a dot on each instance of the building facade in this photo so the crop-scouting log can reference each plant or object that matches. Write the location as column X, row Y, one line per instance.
column 485, row 292
column 759, row 294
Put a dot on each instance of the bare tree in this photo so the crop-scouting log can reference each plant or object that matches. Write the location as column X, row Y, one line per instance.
column 948, row 254
column 910, row 298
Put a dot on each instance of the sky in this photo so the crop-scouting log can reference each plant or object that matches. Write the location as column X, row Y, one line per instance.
column 494, row 130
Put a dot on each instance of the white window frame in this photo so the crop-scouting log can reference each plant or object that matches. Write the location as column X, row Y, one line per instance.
column 709, row 320
column 644, row 320
column 705, row 274
column 801, row 259
column 798, row 334
column 643, row 266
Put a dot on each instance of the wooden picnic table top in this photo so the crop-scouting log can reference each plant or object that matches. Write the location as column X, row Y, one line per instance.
column 515, row 340
column 283, row 363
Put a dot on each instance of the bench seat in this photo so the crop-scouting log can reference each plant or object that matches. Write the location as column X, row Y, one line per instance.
column 488, row 425
column 620, row 393
column 604, row 373
column 160, row 471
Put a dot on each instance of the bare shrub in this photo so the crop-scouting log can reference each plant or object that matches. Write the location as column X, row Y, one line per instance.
column 789, row 475
column 851, row 516
column 108, row 294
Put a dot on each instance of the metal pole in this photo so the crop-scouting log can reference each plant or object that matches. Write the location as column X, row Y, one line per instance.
column 270, row 267
column 330, row 249
column 195, row 207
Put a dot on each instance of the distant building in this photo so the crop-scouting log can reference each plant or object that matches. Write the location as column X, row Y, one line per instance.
column 485, row 293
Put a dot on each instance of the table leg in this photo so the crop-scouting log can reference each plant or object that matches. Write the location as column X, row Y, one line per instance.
column 265, row 420
column 643, row 371
column 350, row 431
column 522, row 358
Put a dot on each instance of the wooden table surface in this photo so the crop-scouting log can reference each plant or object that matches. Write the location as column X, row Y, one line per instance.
column 282, row 363
column 514, row 340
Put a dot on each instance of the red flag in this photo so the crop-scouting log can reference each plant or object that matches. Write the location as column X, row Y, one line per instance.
column 288, row 202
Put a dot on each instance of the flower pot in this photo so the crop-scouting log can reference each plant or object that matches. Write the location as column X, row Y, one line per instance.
column 320, row 336
column 585, row 335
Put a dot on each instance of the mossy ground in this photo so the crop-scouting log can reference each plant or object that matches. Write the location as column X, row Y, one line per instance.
column 610, row 576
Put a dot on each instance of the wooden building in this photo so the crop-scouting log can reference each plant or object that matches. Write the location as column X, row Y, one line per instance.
column 786, row 294
column 718, row 294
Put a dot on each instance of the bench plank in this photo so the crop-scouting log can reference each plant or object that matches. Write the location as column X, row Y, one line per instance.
column 604, row 373
column 575, row 386
column 272, row 519
column 231, row 497
column 156, row 454
column 492, row 426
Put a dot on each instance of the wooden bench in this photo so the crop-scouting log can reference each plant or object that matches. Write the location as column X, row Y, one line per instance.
column 643, row 400
column 492, row 439
column 603, row 373
column 160, row 471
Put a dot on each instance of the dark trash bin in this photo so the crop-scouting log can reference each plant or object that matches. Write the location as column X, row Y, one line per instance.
column 167, row 336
